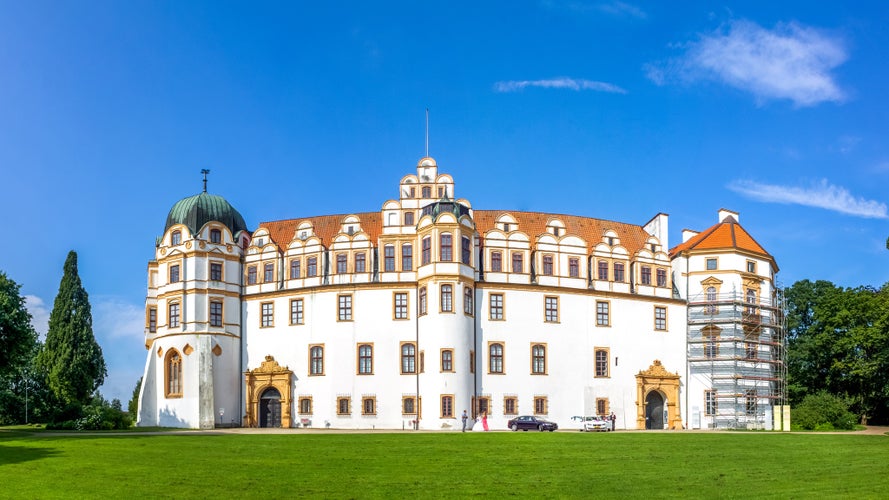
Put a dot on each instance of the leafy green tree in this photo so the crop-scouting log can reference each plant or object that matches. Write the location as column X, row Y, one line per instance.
column 71, row 358
column 18, row 346
column 133, row 405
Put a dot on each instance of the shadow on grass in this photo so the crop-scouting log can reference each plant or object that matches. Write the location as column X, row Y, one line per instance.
column 19, row 454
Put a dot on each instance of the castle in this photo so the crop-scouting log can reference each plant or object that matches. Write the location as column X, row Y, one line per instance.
column 406, row 317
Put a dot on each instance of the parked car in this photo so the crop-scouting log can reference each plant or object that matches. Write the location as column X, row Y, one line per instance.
column 577, row 423
column 526, row 422
column 599, row 424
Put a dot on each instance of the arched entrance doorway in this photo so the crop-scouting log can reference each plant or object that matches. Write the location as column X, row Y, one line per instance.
column 654, row 411
column 270, row 408
column 269, row 390
column 657, row 398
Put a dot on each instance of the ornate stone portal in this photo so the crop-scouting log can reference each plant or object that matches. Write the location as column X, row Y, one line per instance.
column 657, row 378
column 269, row 375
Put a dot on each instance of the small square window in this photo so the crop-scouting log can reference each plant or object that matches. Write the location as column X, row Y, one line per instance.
column 751, row 266
column 711, row 264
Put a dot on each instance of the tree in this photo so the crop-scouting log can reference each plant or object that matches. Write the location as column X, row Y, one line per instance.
column 71, row 358
column 18, row 345
column 133, row 405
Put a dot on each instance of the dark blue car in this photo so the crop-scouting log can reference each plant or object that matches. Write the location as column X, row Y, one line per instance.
column 530, row 422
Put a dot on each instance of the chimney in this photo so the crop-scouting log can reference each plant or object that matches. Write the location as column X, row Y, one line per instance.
column 725, row 213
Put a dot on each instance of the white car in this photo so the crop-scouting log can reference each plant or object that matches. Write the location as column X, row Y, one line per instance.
column 598, row 424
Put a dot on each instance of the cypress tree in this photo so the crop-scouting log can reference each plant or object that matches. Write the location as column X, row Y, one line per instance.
column 71, row 358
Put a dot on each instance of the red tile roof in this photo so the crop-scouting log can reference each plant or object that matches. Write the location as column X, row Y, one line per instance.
column 632, row 237
column 722, row 236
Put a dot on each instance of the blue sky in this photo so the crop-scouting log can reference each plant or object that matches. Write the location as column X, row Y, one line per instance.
column 608, row 109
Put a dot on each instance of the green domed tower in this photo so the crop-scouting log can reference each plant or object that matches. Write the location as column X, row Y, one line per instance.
column 193, row 317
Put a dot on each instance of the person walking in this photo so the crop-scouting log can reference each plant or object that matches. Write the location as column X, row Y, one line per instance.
column 465, row 418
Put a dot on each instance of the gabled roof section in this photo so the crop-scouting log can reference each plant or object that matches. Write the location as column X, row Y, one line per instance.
column 632, row 237
column 726, row 235
column 325, row 227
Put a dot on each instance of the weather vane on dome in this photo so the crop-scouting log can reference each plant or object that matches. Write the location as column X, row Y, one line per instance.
column 205, row 172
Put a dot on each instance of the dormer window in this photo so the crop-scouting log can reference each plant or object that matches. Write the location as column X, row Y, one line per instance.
column 610, row 241
column 653, row 247
column 409, row 219
column 555, row 231
column 413, row 192
column 176, row 238
column 350, row 230
column 215, row 236
column 441, row 192
column 506, row 228
column 303, row 235
column 427, row 192
column 260, row 242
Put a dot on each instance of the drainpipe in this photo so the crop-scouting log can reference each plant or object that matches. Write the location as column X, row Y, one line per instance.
column 417, row 351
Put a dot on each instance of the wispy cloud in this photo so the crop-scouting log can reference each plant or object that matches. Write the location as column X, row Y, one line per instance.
column 819, row 195
column 115, row 318
column 790, row 61
column 39, row 314
column 621, row 9
column 558, row 83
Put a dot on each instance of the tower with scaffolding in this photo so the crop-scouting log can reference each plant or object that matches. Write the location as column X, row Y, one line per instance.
column 735, row 337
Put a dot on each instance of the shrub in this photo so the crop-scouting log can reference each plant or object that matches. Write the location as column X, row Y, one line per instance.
column 822, row 412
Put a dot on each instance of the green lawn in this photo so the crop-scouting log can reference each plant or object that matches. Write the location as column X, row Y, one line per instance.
column 446, row 465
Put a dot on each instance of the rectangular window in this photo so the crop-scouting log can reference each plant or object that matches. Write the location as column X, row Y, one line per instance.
column 540, row 405
column 538, row 359
column 305, row 405
column 602, row 314
column 408, row 358
column 447, row 406
column 400, row 305
column 426, row 192
column 152, row 320
column 467, row 301
column 711, row 264
column 174, row 315
column 751, row 266
column 710, row 403
column 312, row 267
column 496, row 262
column 446, row 250
column 215, row 313
column 408, row 405
column 495, row 358
column 268, row 314
column 447, row 360
column 466, row 251
column 365, row 359
column 409, row 219
column 174, row 273
column 268, row 273
column 711, row 342
column 295, row 270
column 601, row 362
column 359, row 263
column 251, row 275
column 341, row 263
column 389, row 258
column 440, row 192
column 215, row 271
column 551, row 309
column 517, row 262
column 422, row 301
column 496, row 306
column 510, row 405
column 407, row 257
column 547, row 265
column 345, row 307
column 471, row 361
column 316, row 360
column 368, row 406
column 426, row 255
column 602, row 407
column 660, row 318
column 645, row 278
column 574, row 267
column 447, row 298
column 483, row 405
column 619, row 272
column 343, row 406
column 296, row 312
column 662, row 277
column 603, row 270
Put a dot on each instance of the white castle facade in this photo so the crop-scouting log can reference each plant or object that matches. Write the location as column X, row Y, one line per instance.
column 406, row 317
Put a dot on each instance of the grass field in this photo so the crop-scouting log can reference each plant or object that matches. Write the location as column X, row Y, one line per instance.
column 445, row 465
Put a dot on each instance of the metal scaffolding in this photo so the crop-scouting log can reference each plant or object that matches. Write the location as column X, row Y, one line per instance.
column 741, row 347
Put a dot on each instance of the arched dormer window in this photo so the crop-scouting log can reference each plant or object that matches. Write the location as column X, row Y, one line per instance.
column 173, row 374
column 176, row 237
column 215, row 236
